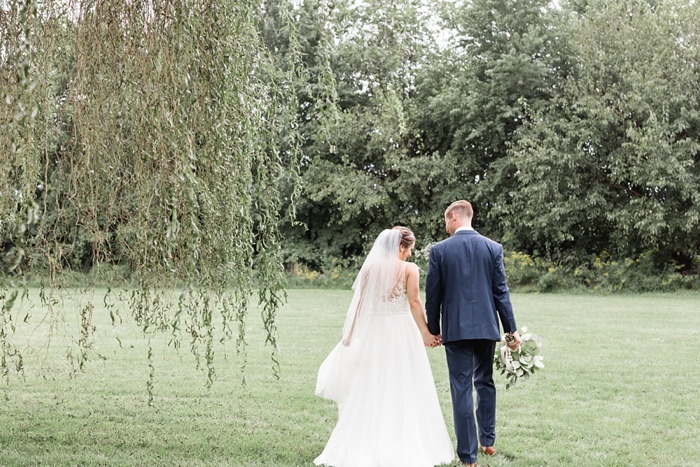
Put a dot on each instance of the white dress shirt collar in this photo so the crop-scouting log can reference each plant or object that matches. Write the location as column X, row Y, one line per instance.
column 465, row 227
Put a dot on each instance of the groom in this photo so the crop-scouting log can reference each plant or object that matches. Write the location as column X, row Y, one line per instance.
column 466, row 285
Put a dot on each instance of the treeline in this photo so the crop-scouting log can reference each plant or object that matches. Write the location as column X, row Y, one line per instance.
column 574, row 129
column 149, row 142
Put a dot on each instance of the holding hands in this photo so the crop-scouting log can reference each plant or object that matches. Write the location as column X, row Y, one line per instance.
column 430, row 340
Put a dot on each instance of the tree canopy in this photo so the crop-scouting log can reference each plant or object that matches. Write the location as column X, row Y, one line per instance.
column 612, row 163
column 572, row 128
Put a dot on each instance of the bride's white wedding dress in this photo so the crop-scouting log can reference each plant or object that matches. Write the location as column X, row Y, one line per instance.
column 389, row 414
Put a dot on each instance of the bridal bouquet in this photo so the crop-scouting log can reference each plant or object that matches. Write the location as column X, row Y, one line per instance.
column 516, row 364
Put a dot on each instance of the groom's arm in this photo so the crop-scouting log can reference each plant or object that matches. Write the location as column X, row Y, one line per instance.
column 501, row 294
column 433, row 293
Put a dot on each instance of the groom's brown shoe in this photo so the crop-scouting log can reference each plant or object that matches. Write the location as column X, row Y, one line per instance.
column 488, row 450
column 461, row 462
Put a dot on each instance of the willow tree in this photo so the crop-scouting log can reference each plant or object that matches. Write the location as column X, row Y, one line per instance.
column 144, row 135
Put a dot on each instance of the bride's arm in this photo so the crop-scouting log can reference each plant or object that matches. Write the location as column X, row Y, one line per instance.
column 412, row 280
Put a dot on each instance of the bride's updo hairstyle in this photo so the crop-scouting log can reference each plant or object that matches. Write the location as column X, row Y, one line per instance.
column 407, row 237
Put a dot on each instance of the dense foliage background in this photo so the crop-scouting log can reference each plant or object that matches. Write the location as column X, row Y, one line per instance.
column 168, row 139
column 574, row 129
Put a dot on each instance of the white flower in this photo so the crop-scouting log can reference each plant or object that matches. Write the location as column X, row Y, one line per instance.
column 506, row 358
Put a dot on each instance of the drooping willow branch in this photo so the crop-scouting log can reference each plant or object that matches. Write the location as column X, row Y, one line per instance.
column 144, row 138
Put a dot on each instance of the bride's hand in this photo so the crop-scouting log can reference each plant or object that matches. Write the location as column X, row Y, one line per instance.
column 430, row 341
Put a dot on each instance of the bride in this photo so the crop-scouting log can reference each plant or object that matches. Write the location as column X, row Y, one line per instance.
column 379, row 374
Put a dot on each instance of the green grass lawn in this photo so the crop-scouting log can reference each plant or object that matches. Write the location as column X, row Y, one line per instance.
column 620, row 388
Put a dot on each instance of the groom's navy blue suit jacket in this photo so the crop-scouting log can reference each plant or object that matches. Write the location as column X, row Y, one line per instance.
column 466, row 284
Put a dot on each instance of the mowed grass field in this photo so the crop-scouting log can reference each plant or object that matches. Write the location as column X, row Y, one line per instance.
column 620, row 388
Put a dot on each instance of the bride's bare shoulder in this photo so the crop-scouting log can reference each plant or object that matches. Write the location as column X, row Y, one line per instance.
column 412, row 268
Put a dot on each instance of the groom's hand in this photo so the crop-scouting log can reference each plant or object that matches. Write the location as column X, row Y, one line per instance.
column 515, row 345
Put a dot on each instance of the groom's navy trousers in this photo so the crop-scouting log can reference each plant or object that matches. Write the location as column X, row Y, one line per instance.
column 466, row 296
column 472, row 360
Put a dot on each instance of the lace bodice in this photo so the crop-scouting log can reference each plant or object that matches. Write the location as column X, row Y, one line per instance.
column 397, row 301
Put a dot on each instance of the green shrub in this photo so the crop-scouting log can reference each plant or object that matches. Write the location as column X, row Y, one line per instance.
column 600, row 274
column 299, row 276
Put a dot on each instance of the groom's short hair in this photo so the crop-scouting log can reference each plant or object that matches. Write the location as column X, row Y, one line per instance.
column 462, row 208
